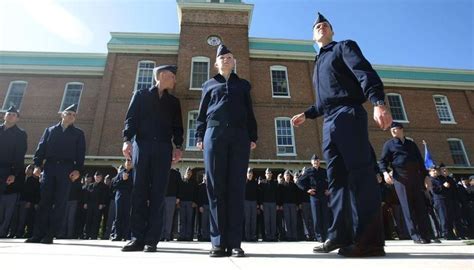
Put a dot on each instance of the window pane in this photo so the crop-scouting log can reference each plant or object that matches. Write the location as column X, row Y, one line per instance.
column 284, row 137
column 71, row 96
column 145, row 75
column 457, row 153
column 200, row 74
column 442, row 108
column 192, row 129
column 279, row 83
column 396, row 107
column 15, row 95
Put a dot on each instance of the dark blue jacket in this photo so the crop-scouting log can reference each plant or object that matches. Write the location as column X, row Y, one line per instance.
column 13, row 145
column 151, row 118
column 251, row 187
column 187, row 190
column 343, row 77
column 174, row 178
column 439, row 191
column 227, row 103
column 288, row 193
column 59, row 145
column 268, row 191
column 202, row 198
column 118, row 184
column 314, row 179
column 400, row 155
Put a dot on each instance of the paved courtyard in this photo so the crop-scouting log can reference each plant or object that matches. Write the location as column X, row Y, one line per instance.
column 101, row 254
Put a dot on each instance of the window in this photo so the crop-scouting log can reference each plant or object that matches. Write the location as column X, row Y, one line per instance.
column 397, row 108
column 458, row 152
column 15, row 93
column 144, row 78
column 284, row 137
column 280, row 81
column 72, row 95
column 199, row 72
column 443, row 109
column 191, row 142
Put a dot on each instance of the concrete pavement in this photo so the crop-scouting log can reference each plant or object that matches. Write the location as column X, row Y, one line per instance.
column 104, row 255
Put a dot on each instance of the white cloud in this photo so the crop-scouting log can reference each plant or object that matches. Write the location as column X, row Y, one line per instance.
column 57, row 20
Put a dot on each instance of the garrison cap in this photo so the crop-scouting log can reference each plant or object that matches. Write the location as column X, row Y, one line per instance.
column 72, row 108
column 396, row 125
column 314, row 157
column 221, row 50
column 321, row 19
column 13, row 109
column 171, row 68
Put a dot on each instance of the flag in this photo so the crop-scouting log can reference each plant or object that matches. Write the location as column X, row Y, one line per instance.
column 428, row 160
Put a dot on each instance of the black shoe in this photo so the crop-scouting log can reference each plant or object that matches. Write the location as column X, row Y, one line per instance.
column 33, row 240
column 115, row 239
column 237, row 252
column 422, row 241
column 436, row 240
column 361, row 251
column 328, row 246
column 150, row 248
column 133, row 245
column 217, row 252
column 47, row 240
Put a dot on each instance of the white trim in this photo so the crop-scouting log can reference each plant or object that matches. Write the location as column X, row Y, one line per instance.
column 463, row 150
column 403, row 107
column 271, row 54
column 150, row 49
column 190, row 147
column 292, row 136
column 64, row 95
column 280, row 68
column 3, row 109
column 52, row 70
column 452, row 121
column 200, row 59
column 138, row 72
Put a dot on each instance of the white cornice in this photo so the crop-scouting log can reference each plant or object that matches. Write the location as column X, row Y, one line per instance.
column 464, row 86
column 154, row 49
column 143, row 35
column 267, row 54
column 424, row 69
column 52, row 70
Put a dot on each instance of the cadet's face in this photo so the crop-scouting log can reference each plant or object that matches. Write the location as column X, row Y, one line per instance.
column 249, row 175
column 268, row 175
column 287, row 177
column 167, row 79
column 322, row 32
column 433, row 173
column 68, row 117
column 225, row 62
column 315, row 162
column 10, row 118
column 396, row 132
column 98, row 178
column 444, row 171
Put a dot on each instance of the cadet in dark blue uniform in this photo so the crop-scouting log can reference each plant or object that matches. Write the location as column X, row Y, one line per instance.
column 153, row 120
column 269, row 197
column 187, row 195
column 314, row 181
column 170, row 204
column 60, row 155
column 122, row 185
column 344, row 80
column 409, row 175
column 250, row 208
column 226, row 130
column 13, row 144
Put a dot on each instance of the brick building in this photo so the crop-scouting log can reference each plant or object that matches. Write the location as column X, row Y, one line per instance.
column 436, row 105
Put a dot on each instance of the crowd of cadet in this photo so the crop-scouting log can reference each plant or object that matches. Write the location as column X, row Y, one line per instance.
column 293, row 206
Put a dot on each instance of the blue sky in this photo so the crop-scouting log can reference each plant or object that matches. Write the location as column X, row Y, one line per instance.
column 423, row 33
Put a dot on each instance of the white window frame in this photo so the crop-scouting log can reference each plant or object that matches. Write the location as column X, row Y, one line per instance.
column 10, row 86
column 280, row 68
column 449, row 110
column 402, row 105
column 135, row 87
column 65, row 91
column 292, row 135
column 188, row 146
column 199, row 59
column 463, row 150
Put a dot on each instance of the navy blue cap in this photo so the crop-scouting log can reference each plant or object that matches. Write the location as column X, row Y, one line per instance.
column 72, row 108
column 321, row 19
column 396, row 125
column 249, row 170
column 268, row 170
column 221, row 50
column 314, row 157
column 13, row 109
column 161, row 68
